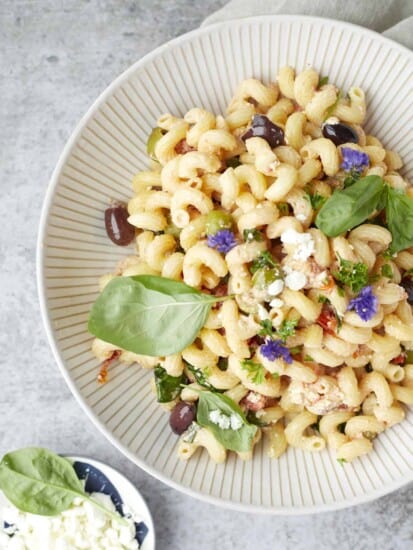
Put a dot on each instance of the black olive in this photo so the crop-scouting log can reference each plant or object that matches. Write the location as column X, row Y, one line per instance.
column 407, row 284
column 340, row 133
column 119, row 230
column 182, row 416
column 263, row 127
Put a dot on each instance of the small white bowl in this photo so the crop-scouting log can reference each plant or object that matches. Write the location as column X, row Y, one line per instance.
column 128, row 493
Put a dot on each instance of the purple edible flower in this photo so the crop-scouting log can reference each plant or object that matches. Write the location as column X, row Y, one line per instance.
column 365, row 304
column 223, row 240
column 273, row 349
column 354, row 160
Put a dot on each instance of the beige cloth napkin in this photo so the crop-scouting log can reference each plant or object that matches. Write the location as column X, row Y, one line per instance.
column 393, row 18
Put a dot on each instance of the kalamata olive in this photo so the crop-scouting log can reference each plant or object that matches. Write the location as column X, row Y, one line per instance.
column 182, row 416
column 119, row 230
column 407, row 284
column 340, row 133
column 263, row 127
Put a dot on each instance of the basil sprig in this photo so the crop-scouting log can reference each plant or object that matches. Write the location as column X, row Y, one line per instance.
column 150, row 315
column 239, row 440
column 37, row 481
column 168, row 387
column 350, row 207
column 347, row 208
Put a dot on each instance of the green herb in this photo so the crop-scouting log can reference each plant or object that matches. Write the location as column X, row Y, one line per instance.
column 341, row 461
column 256, row 372
column 252, row 235
column 150, row 315
column 340, row 291
column 39, row 482
column 287, row 328
column 308, row 358
column 316, row 200
column 352, row 178
column 201, row 377
column 387, row 255
column 253, row 419
column 153, row 139
column 267, row 329
column 323, row 299
column 330, row 110
column 296, row 350
column 323, row 81
column 233, row 162
column 349, row 207
column 275, row 375
column 235, row 440
column 353, row 275
column 387, row 271
column 263, row 260
column 399, row 218
column 168, row 387
column 284, row 208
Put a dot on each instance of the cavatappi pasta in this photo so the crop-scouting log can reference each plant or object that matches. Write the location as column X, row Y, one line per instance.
column 315, row 343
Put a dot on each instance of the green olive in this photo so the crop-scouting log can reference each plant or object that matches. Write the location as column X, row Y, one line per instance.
column 153, row 139
column 217, row 220
column 265, row 276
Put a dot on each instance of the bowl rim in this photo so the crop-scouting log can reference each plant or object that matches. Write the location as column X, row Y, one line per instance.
column 41, row 287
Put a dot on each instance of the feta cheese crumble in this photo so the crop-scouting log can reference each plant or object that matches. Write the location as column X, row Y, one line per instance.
column 295, row 280
column 275, row 287
column 276, row 303
column 233, row 422
column 304, row 243
column 81, row 527
column 262, row 313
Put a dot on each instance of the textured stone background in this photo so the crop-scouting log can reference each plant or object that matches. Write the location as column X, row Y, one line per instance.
column 55, row 58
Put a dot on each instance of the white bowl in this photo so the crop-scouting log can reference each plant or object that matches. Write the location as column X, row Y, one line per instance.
column 108, row 147
column 128, row 493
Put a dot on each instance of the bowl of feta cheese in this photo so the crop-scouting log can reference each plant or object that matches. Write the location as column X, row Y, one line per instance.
column 111, row 513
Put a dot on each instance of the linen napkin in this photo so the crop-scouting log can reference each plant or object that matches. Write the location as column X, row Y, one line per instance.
column 393, row 18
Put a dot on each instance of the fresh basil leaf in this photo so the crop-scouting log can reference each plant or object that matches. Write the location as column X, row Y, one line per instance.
column 39, row 482
column 350, row 207
column 399, row 217
column 201, row 377
column 149, row 315
column 239, row 440
column 168, row 387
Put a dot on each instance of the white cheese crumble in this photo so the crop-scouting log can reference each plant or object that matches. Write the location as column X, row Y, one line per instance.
column 81, row 527
column 301, row 217
column 304, row 243
column 225, row 422
column 295, row 280
column 275, row 287
column 276, row 303
column 262, row 313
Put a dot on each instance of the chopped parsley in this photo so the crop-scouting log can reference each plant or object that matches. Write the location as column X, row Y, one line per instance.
column 296, row 350
column 387, row 271
column 323, row 299
column 341, row 461
column 287, row 328
column 252, row 235
column 308, row 358
column 316, row 200
column 353, row 275
column 323, row 81
column 284, row 208
column 256, row 372
column 263, row 260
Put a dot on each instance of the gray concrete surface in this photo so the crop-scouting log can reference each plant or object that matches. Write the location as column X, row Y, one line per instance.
column 55, row 58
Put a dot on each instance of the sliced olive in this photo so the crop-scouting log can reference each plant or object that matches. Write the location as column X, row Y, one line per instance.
column 182, row 416
column 119, row 230
column 217, row 220
column 153, row 139
column 340, row 133
column 263, row 127
column 407, row 284
column 265, row 276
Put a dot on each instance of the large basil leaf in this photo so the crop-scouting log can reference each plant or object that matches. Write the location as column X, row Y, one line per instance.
column 168, row 387
column 350, row 207
column 149, row 315
column 399, row 217
column 235, row 440
column 37, row 481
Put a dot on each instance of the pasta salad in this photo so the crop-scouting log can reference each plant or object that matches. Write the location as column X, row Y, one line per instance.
column 271, row 289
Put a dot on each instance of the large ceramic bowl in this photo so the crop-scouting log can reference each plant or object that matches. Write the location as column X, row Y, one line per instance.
column 108, row 147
